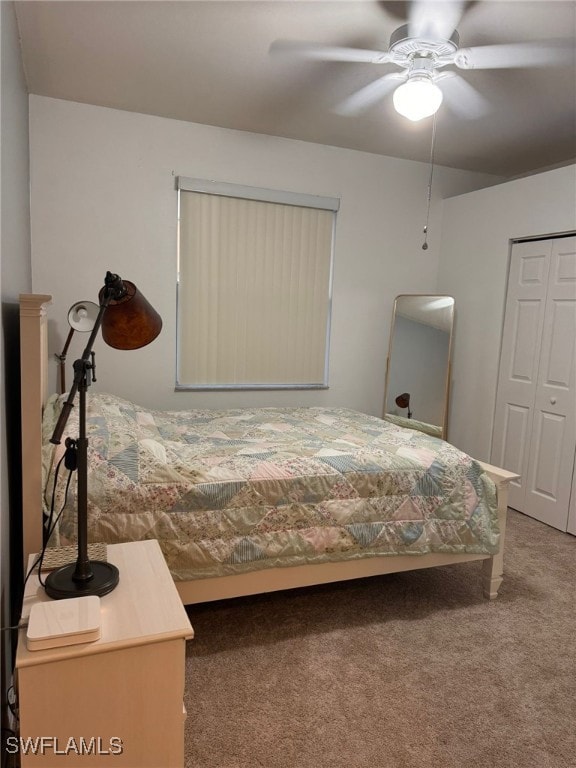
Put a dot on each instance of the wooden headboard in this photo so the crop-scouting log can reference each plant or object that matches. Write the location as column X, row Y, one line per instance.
column 34, row 391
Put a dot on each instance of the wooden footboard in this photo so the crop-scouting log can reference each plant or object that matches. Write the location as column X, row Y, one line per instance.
column 34, row 374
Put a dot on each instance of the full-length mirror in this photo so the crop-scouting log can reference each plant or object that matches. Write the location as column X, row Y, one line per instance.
column 418, row 370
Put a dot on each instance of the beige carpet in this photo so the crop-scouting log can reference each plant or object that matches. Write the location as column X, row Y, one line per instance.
column 403, row 671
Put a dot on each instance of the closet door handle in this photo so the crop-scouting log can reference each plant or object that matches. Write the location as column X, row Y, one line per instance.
column 553, row 400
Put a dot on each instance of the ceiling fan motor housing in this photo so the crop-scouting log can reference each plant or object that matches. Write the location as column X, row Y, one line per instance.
column 405, row 50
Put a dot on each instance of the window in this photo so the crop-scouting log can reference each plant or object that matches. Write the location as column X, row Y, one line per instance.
column 254, row 287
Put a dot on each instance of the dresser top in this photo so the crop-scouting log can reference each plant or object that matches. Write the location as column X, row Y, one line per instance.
column 144, row 608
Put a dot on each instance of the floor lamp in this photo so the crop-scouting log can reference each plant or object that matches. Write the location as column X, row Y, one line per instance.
column 128, row 321
column 403, row 401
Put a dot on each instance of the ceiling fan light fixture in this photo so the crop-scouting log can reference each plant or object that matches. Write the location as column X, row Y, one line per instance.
column 417, row 98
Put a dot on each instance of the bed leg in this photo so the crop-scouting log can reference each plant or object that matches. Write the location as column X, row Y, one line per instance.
column 492, row 575
column 493, row 567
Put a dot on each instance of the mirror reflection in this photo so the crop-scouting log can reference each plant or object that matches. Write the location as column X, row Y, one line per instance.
column 418, row 370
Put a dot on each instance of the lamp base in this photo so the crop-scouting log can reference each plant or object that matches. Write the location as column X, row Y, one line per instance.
column 60, row 584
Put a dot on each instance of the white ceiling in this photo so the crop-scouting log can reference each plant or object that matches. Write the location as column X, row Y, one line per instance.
column 209, row 62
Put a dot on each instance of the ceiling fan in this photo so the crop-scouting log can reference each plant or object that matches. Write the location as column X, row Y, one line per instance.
column 424, row 49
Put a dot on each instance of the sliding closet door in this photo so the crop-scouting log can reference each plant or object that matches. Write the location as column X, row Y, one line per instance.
column 535, row 426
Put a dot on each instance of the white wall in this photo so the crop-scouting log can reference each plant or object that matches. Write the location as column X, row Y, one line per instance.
column 476, row 232
column 15, row 275
column 103, row 197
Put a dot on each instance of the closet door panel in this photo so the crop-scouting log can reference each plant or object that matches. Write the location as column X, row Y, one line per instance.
column 549, row 431
column 519, row 359
column 515, row 431
column 553, row 437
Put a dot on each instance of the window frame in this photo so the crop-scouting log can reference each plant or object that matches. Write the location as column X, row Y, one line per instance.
column 259, row 194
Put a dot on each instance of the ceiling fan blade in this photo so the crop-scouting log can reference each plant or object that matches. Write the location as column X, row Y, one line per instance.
column 434, row 19
column 461, row 97
column 321, row 52
column 546, row 53
column 369, row 95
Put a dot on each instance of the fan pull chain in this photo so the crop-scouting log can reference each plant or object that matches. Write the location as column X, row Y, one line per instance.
column 425, row 243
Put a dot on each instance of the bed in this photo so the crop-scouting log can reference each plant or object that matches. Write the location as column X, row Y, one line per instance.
column 244, row 501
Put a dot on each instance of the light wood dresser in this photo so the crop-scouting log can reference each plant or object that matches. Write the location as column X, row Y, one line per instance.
column 119, row 699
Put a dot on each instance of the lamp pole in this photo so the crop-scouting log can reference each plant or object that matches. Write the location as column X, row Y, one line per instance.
column 84, row 577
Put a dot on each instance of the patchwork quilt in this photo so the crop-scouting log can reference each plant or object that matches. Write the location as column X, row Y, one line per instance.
column 230, row 491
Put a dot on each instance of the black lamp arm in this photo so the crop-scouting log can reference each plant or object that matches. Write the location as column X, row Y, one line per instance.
column 113, row 289
column 62, row 360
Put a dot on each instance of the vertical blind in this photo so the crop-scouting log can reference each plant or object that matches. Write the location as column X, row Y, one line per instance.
column 253, row 292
